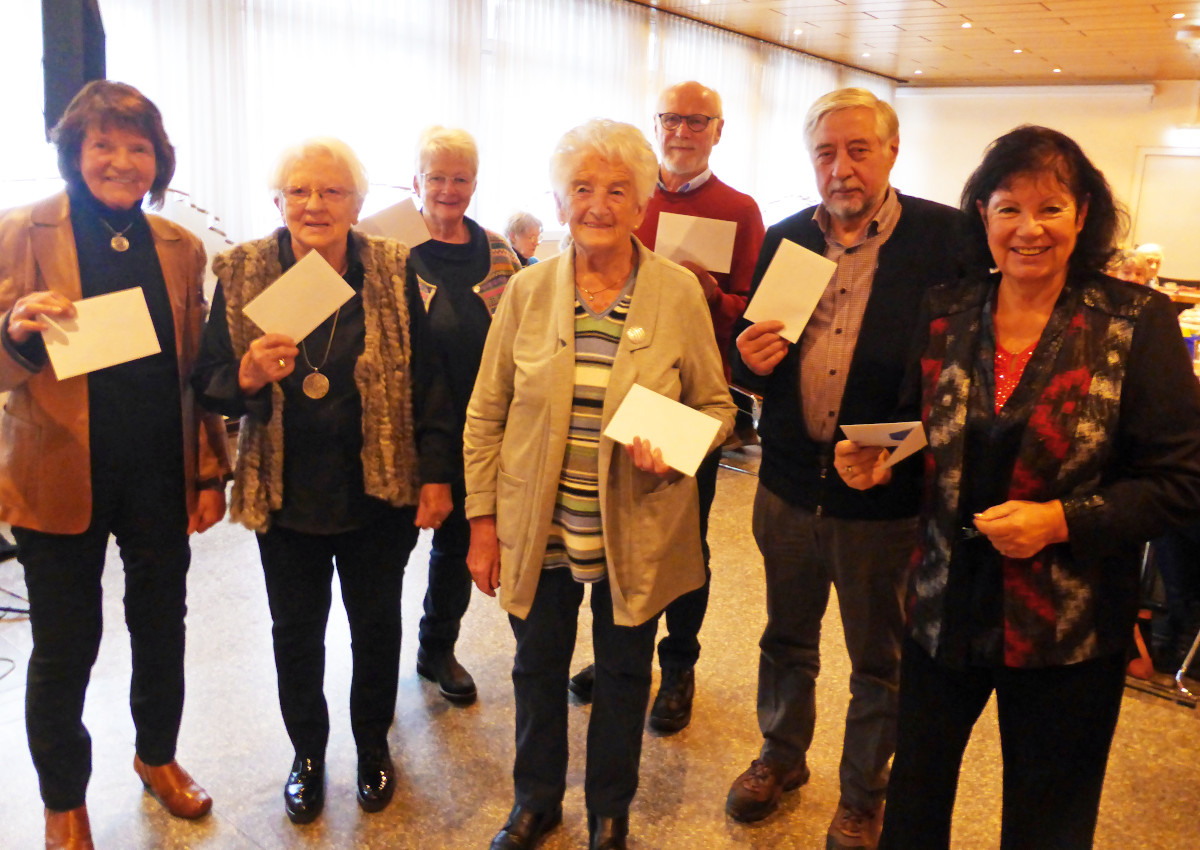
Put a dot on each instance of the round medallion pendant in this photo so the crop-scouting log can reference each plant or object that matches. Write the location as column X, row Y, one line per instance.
column 316, row 386
column 119, row 243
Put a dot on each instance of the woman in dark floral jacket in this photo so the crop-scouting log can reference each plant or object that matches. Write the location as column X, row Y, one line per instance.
column 1063, row 421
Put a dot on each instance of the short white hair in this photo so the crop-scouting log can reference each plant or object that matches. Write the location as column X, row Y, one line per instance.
column 319, row 145
column 520, row 223
column 616, row 142
column 449, row 140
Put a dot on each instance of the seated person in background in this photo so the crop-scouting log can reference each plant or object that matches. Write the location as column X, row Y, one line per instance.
column 524, row 232
column 1129, row 265
column 1153, row 253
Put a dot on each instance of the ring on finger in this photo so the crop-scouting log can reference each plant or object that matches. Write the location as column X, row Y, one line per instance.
column 849, row 470
column 282, row 363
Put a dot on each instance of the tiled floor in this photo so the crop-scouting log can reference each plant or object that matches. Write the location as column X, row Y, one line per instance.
column 454, row 763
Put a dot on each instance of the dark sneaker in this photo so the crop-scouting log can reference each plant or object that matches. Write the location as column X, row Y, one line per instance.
column 757, row 792
column 672, row 708
column 855, row 829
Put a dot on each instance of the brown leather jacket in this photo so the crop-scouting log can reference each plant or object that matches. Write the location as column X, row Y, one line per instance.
column 45, row 463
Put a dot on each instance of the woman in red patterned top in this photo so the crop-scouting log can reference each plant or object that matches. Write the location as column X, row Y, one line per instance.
column 1064, row 430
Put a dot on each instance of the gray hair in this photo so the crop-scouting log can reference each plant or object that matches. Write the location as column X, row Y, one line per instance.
column 338, row 150
column 449, row 140
column 521, row 222
column 614, row 141
column 887, row 125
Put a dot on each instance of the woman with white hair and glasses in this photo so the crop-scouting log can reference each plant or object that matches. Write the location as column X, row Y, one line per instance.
column 462, row 272
column 554, row 505
column 343, row 453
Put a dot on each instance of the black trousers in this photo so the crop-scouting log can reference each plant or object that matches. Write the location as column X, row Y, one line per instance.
column 545, row 642
column 680, row 649
column 1056, row 727
column 449, row 591
column 299, row 573
column 147, row 514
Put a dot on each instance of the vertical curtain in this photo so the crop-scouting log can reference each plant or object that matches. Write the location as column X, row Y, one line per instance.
column 238, row 80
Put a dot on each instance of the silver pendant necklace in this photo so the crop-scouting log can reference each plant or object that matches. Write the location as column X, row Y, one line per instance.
column 316, row 385
column 118, row 242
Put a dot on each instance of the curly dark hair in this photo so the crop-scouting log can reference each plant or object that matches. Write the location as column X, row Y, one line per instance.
column 1031, row 150
column 106, row 104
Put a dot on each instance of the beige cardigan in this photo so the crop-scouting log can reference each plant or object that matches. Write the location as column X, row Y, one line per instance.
column 517, row 423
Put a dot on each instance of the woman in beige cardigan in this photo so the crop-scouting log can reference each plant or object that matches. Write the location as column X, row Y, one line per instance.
column 554, row 505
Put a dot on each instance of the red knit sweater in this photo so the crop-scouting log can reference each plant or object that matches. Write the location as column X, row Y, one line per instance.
column 716, row 200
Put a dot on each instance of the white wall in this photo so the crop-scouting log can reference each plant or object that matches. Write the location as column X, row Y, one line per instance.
column 943, row 132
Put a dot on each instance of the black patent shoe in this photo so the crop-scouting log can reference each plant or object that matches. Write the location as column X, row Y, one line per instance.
column 672, row 709
column 525, row 828
column 607, row 833
column 376, row 779
column 453, row 681
column 583, row 683
column 304, row 792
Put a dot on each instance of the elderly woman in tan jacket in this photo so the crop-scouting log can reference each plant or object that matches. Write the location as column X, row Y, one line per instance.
column 554, row 505
column 118, row 452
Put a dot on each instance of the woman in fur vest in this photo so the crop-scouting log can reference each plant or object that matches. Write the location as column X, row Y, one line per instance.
column 342, row 455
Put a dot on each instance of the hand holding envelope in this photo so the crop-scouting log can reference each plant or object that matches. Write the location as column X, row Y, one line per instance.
column 863, row 461
column 106, row 330
column 647, row 420
column 790, row 289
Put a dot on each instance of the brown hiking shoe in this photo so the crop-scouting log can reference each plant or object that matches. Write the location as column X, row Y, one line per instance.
column 854, row 829
column 757, row 792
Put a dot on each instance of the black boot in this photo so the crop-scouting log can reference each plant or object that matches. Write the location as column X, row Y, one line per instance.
column 453, row 681
column 672, row 708
column 607, row 833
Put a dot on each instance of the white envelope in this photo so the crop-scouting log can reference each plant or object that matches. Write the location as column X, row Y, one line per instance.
column 304, row 296
column 683, row 434
column 107, row 330
column 907, row 437
column 402, row 222
column 707, row 242
column 791, row 288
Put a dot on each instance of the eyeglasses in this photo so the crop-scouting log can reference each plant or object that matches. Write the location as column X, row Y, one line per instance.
column 439, row 181
column 298, row 196
column 696, row 123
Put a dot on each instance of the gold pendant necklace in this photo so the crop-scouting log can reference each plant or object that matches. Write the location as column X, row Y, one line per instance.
column 118, row 242
column 591, row 296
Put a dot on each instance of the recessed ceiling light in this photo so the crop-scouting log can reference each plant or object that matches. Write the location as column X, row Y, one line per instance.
column 966, row 25
column 918, row 71
column 866, row 56
column 1057, row 71
column 1018, row 50
column 797, row 31
column 1178, row 16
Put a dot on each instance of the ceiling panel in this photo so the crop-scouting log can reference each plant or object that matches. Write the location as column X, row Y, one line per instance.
column 1089, row 40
